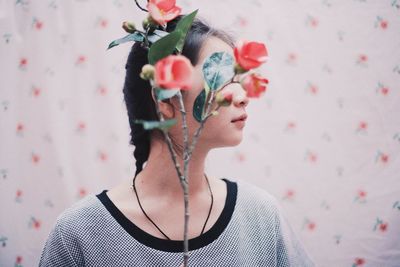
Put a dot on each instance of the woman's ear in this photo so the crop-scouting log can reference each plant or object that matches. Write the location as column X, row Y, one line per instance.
column 165, row 106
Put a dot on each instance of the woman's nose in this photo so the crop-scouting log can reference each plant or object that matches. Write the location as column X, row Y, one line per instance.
column 241, row 99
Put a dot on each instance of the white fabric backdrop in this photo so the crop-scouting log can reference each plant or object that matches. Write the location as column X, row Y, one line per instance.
column 325, row 138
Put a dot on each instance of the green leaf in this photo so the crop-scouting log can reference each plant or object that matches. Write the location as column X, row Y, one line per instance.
column 183, row 27
column 156, row 35
column 218, row 69
column 163, row 125
column 200, row 102
column 163, row 47
column 136, row 37
column 162, row 94
column 198, row 105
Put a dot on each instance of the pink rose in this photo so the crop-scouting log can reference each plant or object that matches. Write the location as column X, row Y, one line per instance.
column 163, row 11
column 254, row 85
column 250, row 55
column 174, row 72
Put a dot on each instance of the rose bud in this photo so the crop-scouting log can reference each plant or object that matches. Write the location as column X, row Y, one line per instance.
column 147, row 72
column 249, row 55
column 174, row 72
column 238, row 69
column 224, row 98
column 254, row 85
column 163, row 11
column 150, row 24
column 128, row 27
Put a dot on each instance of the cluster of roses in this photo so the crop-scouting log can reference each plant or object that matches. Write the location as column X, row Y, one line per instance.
column 175, row 71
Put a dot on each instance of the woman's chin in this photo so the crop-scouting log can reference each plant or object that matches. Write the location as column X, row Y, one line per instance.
column 234, row 141
column 238, row 141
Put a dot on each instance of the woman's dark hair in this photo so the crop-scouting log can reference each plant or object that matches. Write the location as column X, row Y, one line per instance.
column 137, row 92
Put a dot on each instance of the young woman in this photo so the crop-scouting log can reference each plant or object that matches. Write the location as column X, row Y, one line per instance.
column 140, row 222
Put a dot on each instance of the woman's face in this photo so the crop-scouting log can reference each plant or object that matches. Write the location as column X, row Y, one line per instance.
column 218, row 130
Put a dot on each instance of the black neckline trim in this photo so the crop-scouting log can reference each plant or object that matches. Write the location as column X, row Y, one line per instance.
column 176, row 245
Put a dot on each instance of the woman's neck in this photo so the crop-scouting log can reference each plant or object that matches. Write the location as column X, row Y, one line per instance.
column 159, row 175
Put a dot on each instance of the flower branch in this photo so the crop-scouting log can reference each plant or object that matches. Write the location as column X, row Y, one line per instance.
column 168, row 74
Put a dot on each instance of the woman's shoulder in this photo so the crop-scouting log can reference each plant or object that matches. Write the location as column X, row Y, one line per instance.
column 84, row 211
column 252, row 197
column 254, row 192
column 75, row 224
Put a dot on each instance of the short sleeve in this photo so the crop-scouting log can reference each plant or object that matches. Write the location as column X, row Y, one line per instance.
column 55, row 252
column 290, row 251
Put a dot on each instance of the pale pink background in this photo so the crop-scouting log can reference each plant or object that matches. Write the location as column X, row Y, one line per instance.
column 325, row 138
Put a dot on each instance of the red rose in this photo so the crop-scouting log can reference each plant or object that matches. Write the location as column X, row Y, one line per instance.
column 163, row 11
column 174, row 72
column 254, row 84
column 250, row 55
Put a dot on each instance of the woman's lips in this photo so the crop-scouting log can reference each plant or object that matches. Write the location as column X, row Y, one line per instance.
column 239, row 123
column 243, row 118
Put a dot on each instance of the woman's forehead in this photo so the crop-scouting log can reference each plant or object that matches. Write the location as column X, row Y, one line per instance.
column 211, row 45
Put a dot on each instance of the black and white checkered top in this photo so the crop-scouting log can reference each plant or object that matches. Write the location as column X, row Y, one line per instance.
column 250, row 231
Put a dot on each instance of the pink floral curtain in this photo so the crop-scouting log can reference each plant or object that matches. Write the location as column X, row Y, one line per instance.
column 324, row 140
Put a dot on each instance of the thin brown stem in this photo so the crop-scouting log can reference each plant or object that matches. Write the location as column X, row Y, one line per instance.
column 169, row 142
column 185, row 184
